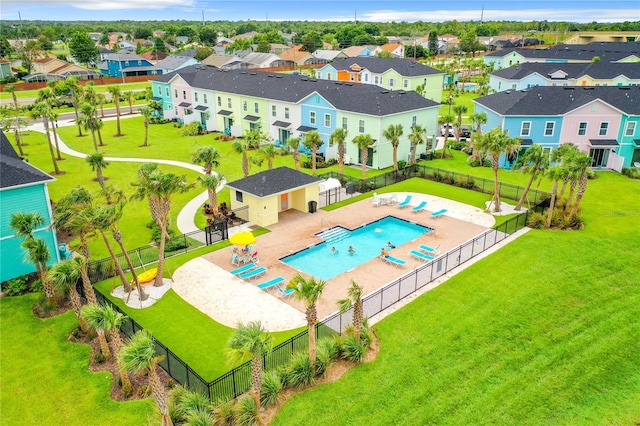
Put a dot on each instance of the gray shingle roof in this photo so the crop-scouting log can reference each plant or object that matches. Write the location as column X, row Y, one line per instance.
column 362, row 98
column 404, row 67
column 14, row 171
column 556, row 100
column 172, row 62
column 603, row 70
column 274, row 181
column 607, row 51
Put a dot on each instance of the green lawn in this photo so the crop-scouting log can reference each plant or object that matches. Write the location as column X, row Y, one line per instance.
column 45, row 378
column 20, row 94
column 544, row 331
column 464, row 99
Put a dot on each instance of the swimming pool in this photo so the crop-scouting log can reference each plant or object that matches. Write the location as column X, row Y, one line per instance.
column 367, row 240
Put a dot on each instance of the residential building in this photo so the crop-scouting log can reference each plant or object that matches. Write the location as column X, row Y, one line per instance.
column 127, row 64
column 226, row 62
column 395, row 49
column 602, row 121
column 266, row 60
column 286, row 105
column 23, row 189
column 586, row 37
column 173, row 63
column 329, row 55
column 301, row 58
column 5, row 69
column 392, row 74
column 356, row 51
column 154, row 57
column 530, row 74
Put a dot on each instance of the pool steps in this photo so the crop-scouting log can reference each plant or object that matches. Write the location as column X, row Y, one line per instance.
column 334, row 235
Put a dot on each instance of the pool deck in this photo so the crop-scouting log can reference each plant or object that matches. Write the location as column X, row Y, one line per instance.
column 295, row 231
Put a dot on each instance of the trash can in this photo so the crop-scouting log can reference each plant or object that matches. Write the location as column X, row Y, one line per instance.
column 313, row 205
column 350, row 188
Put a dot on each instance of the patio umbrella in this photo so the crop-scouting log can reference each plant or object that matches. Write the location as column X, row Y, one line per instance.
column 242, row 238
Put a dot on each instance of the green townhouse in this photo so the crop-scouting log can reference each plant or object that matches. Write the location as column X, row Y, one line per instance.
column 285, row 106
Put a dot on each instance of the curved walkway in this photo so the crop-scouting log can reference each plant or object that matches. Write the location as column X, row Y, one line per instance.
column 185, row 221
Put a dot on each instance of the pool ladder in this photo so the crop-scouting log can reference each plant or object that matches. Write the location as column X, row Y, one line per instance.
column 324, row 224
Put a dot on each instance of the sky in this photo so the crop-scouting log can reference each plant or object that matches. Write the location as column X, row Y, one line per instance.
column 318, row 10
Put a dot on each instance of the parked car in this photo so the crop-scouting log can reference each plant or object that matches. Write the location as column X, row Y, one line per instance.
column 465, row 131
column 443, row 130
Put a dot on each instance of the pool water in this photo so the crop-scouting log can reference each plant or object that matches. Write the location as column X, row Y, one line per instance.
column 322, row 263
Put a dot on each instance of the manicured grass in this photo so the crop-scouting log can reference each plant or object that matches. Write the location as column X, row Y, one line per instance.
column 99, row 89
column 464, row 99
column 544, row 331
column 45, row 378
column 193, row 336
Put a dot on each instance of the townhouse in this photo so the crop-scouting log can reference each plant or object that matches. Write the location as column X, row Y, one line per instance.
column 603, row 121
column 285, row 106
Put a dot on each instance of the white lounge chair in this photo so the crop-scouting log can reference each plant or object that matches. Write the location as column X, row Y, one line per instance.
column 421, row 256
column 394, row 261
column 429, row 250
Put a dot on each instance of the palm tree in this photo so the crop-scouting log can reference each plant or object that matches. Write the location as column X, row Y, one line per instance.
column 89, row 121
column 363, row 142
column 309, row 290
column 211, row 184
column 339, row 136
column 75, row 91
column 445, row 120
column 11, row 88
column 354, row 300
column 581, row 163
column 493, row 144
column 38, row 253
column 313, row 141
column 293, row 144
column 534, row 162
column 108, row 320
column 242, row 146
column 208, row 157
column 478, row 119
column 97, row 162
column 101, row 220
column 251, row 340
column 393, row 133
column 138, row 355
column 416, row 138
column 268, row 153
column 25, row 223
column 562, row 155
column 130, row 97
column 459, row 110
column 65, row 275
column 14, row 119
column 554, row 173
column 146, row 112
column 115, row 96
column 101, row 99
column 159, row 187
column 48, row 96
column 41, row 110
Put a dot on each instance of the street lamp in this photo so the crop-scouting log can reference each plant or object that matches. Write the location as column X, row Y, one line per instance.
column 450, row 102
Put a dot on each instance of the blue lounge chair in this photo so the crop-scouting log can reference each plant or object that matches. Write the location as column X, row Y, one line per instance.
column 284, row 292
column 421, row 256
column 254, row 273
column 429, row 250
column 244, row 269
column 405, row 203
column 271, row 283
column 419, row 207
column 394, row 261
column 439, row 213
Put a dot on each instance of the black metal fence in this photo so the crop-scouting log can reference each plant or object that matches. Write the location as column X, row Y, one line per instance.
column 486, row 186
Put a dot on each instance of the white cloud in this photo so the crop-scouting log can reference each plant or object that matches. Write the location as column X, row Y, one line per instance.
column 111, row 4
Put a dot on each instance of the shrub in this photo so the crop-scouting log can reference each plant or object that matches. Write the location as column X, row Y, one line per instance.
column 45, row 307
column 536, row 220
column 556, row 217
column 631, row 172
column 36, row 286
column 155, row 232
column 464, row 182
column 143, row 391
column 401, row 164
column 330, row 162
column 246, row 412
column 99, row 358
column 200, row 416
column 352, row 349
column 576, row 221
column 329, row 346
column 298, row 372
column 323, row 360
column 175, row 245
column 476, row 163
column 271, row 388
column 591, row 174
column 16, row 286
column 224, row 412
column 191, row 129
column 457, row 146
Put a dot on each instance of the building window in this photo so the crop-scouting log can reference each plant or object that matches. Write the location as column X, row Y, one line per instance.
column 630, row 130
column 414, row 120
column 219, row 101
column 204, row 98
column 582, row 129
column 376, row 80
column 312, row 117
column 604, row 127
column 229, row 103
column 239, row 196
column 392, row 82
column 344, row 123
column 405, row 83
column 244, row 106
column 549, row 126
column 366, row 78
column 175, row 93
column 361, row 126
column 273, row 110
column 256, row 108
column 327, row 120
column 254, row 127
column 525, row 130
column 159, row 90
column 195, row 96
column 286, row 113
column 167, row 91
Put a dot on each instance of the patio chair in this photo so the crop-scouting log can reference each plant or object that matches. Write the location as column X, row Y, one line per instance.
column 254, row 273
column 394, row 261
column 393, row 199
column 244, row 269
column 405, row 203
column 284, row 292
column 419, row 207
column 429, row 250
column 438, row 214
column 421, row 256
column 271, row 283
column 376, row 200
